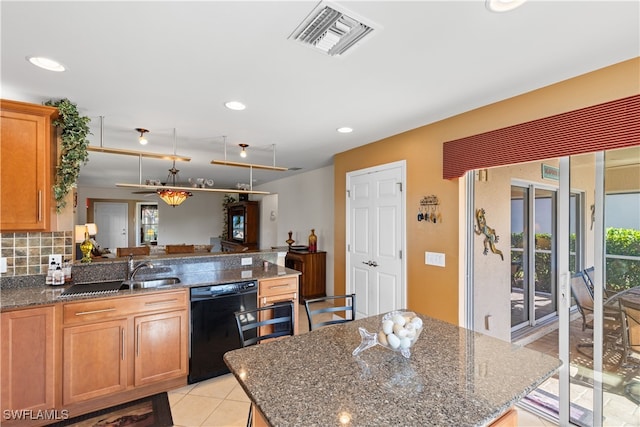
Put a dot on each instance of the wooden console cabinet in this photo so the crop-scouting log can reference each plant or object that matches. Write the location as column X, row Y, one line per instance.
column 243, row 227
column 313, row 266
column 27, row 153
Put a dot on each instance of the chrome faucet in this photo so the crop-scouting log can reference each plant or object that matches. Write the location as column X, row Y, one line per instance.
column 133, row 268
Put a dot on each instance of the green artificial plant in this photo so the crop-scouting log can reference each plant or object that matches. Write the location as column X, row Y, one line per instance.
column 73, row 153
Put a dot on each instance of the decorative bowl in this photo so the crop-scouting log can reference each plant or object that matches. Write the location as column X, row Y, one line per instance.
column 399, row 331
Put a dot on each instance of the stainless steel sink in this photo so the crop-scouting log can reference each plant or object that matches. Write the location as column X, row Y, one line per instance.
column 150, row 283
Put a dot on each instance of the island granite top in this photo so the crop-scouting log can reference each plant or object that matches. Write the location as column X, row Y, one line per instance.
column 454, row 377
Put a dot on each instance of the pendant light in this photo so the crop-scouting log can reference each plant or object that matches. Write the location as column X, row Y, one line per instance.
column 143, row 139
column 243, row 152
column 173, row 197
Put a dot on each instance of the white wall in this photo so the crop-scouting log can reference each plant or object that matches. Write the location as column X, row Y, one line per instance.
column 194, row 222
column 305, row 201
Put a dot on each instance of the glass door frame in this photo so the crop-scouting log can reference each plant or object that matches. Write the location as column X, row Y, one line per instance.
column 531, row 251
column 563, row 276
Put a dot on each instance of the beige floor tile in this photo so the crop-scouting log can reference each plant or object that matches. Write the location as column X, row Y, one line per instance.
column 228, row 414
column 193, row 410
column 238, row 394
column 184, row 390
column 174, row 398
column 218, row 387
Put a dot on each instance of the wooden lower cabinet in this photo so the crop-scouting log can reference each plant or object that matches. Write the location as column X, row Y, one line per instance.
column 280, row 289
column 28, row 359
column 313, row 277
column 95, row 360
column 161, row 347
column 118, row 345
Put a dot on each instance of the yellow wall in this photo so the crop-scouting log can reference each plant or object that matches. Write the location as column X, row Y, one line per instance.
column 434, row 290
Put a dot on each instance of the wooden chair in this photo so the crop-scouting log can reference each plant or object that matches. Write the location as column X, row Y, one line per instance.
column 136, row 250
column 179, row 249
column 318, row 306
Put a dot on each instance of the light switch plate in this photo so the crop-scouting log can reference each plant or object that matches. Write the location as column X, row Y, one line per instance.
column 56, row 259
column 246, row 261
column 434, row 258
column 3, row 265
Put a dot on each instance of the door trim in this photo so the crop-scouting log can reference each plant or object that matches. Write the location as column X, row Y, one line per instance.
column 402, row 164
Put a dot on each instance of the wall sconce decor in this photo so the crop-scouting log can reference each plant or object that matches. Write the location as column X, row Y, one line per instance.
column 490, row 236
column 429, row 210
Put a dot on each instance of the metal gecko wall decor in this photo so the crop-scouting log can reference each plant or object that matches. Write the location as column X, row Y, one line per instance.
column 490, row 236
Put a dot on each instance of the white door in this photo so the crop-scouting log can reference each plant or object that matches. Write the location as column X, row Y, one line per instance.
column 111, row 219
column 375, row 242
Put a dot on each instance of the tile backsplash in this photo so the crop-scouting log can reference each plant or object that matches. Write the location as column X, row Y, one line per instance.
column 28, row 253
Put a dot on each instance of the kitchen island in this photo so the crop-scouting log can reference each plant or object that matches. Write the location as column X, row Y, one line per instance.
column 454, row 377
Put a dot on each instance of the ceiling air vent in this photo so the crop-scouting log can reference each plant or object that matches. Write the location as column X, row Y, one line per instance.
column 331, row 31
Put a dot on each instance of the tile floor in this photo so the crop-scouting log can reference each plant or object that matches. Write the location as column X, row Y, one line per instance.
column 221, row 402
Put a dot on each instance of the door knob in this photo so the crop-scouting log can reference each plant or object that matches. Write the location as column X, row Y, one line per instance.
column 370, row 263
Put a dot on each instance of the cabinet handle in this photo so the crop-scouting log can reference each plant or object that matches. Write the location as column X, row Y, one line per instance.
column 165, row 301
column 39, row 205
column 123, row 344
column 286, row 285
column 138, row 342
column 104, row 310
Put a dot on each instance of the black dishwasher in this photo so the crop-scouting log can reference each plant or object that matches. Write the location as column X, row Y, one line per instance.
column 213, row 325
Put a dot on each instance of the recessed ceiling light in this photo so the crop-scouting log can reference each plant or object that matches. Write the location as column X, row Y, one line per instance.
column 344, row 130
column 235, row 105
column 46, row 63
column 503, row 5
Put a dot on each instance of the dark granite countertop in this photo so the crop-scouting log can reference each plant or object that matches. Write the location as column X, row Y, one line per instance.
column 454, row 377
column 37, row 293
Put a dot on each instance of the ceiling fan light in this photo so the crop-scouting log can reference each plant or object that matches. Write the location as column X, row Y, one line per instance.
column 174, row 197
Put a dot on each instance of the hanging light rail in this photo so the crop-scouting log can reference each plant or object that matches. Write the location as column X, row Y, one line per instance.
column 226, row 162
column 125, row 152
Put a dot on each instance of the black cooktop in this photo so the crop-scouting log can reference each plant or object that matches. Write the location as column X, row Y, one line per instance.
column 102, row 288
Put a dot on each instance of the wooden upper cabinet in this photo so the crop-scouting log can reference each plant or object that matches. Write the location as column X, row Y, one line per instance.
column 27, row 165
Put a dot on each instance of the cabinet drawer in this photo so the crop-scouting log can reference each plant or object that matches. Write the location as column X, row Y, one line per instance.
column 111, row 308
column 278, row 286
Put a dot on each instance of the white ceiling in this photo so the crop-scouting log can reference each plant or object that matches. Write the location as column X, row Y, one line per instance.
column 172, row 65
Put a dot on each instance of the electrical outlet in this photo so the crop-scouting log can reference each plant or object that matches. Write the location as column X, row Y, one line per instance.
column 55, row 259
column 3, row 265
column 246, row 261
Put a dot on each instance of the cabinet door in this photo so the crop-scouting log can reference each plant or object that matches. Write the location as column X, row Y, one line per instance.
column 95, row 360
column 25, row 169
column 28, row 359
column 160, row 347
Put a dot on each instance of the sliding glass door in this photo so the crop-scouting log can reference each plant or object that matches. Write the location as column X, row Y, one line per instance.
column 575, row 231
column 533, row 254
